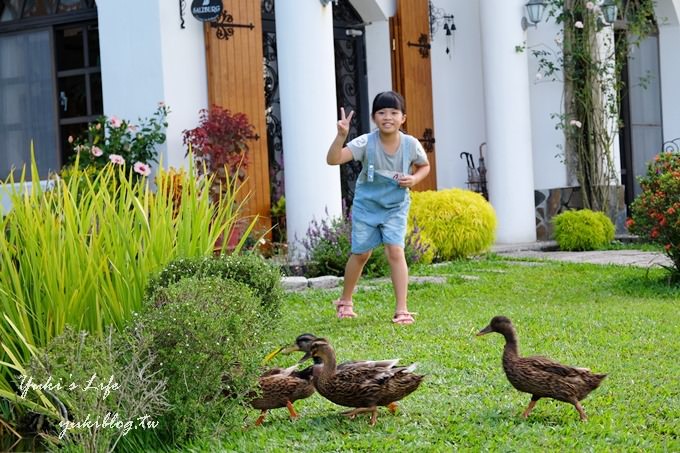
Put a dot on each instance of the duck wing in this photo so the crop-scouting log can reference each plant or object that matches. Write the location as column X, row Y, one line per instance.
column 547, row 365
column 369, row 364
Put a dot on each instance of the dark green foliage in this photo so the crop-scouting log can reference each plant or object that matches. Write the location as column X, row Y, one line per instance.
column 260, row 276
column 583, row 230
column 206, row 333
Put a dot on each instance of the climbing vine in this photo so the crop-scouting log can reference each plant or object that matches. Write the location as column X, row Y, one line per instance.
column 589, row 61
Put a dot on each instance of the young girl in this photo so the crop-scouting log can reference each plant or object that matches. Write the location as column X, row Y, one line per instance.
column 381, row 197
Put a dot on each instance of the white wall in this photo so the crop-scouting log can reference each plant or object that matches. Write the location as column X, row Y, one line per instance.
column 378, row 59
column 458, row 92
column 668, row 17
column 146, row 58
column 546, row 99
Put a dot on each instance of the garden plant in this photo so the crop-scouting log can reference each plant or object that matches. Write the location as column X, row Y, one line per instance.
column 583, row 229
column 655, row 213
column 82, row 257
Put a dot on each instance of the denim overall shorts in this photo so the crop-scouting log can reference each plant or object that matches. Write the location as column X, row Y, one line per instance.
column 380, row 207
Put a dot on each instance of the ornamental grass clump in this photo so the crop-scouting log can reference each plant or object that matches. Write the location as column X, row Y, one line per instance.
column 581, row 230
column 655, row 213
column 457, row 223
column 80, row 253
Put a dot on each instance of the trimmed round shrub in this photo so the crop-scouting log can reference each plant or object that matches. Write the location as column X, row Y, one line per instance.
column 583, row 230
column 206, row 333
column 457, row 223
column 254, row 271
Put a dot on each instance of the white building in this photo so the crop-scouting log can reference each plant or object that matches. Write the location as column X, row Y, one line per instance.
column 63, row 62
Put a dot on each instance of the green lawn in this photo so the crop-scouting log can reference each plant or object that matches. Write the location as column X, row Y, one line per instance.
column 622, row 321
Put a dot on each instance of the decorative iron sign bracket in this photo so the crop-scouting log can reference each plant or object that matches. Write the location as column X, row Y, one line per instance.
column 423, row 45
column 225, row 25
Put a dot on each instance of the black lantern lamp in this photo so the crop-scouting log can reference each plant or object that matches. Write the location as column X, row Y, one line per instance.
column 609, row 11
column 535, row 10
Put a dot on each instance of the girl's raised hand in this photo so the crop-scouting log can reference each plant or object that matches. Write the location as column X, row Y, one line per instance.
column 344, row 122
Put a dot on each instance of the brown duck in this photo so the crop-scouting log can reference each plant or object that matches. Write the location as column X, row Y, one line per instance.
column 541, row 376
column 280, row 387
column 361, row 385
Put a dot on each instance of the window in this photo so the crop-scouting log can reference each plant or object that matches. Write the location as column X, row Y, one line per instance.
column 50, row 79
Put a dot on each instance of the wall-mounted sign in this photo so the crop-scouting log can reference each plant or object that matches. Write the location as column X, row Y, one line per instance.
column 206, row 10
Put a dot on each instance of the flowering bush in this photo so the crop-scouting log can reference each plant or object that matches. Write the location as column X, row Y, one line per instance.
column 220, row 143
column 120, row 142
column 655, row 213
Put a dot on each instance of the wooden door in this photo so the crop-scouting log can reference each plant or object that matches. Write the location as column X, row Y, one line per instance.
column 236, row 82
column 412, row 75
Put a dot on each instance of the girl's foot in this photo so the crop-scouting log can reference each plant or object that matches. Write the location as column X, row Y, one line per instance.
column 403, row 317
column 344, row 309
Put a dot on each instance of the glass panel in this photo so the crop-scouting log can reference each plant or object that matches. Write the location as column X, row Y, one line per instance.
column 26, row 102
column 10, row 10
column 70, row 130
column 93, row 45
column 96, row 93
column 69, row 45
column 72, row 97
column 34, row 8
column 66, row 6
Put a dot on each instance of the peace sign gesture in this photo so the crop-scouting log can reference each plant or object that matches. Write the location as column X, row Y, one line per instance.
column 344, row 122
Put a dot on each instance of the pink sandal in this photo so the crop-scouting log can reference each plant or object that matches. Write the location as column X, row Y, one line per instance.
column 344, row 309
column 404, row 317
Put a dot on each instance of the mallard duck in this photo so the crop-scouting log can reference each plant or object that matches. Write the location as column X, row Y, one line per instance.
column 280, row 387
column 304, row 342
column 540, row 376
column 361, row 385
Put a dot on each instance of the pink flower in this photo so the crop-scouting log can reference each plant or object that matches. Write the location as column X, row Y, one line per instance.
column 96, row 151
column 115, row 121
column 576, row 123
column 142, row 168
column 578, row 24
column 590, row 5
column 117, row 159
column 70, row 138
column 161, row 104
column 132, row 128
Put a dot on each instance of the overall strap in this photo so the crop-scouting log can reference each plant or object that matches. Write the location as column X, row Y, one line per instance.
column 370, row 156
column 405, row 153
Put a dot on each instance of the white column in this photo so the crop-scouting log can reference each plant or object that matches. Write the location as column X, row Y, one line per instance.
column 147, row 58
column 304, row 39
column 508, row 121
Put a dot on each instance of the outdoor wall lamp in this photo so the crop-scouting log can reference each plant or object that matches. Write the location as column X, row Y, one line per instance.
column 609, row 11
column 535, row 10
